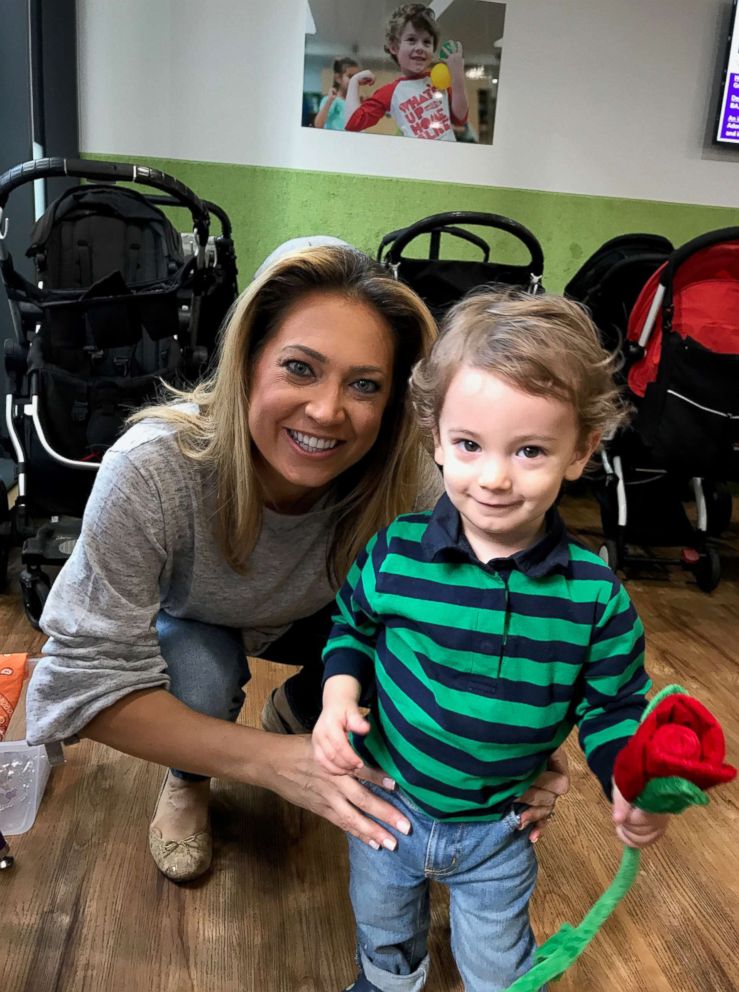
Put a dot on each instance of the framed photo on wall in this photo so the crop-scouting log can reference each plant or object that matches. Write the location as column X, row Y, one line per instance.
column 416, row 70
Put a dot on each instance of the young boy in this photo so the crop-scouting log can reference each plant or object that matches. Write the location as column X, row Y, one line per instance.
column 416, row 106
column 479, row 634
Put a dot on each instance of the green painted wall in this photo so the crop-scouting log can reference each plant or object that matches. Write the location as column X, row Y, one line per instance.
column 267, row 206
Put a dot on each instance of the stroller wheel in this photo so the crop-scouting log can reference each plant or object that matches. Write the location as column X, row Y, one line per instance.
column 35, row 587
column 708, row 570
column 608, row 551
column 719, row 507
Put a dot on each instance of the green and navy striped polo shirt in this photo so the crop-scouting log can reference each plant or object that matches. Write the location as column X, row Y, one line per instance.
column 476, row 672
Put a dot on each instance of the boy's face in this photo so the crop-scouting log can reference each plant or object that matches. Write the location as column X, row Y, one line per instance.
column 505, row 454
column 414, row 50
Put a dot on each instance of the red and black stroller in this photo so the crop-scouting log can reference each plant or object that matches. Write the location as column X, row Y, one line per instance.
column 443, row 281
column 682, row 372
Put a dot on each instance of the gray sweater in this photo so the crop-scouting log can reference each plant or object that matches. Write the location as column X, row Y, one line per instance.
column 148, row 542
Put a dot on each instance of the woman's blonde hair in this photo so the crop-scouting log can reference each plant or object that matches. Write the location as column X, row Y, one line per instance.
column 545, row 345
column 371, row 493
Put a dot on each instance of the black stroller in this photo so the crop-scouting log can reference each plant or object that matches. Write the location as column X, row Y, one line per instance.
column 609, row 282
column 441, row 282
column 682, row 362
column 122, row 304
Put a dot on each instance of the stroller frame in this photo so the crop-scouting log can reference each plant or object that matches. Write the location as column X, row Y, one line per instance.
column 430, row 277
column 712, row 496
column 52, row 543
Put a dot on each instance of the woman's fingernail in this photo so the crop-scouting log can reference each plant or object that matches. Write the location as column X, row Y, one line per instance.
column 374, row 844
column 403, row 826
column 388, row 783
column 390, row 843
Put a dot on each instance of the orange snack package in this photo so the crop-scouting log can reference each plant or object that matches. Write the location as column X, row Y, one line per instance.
column 12, row 674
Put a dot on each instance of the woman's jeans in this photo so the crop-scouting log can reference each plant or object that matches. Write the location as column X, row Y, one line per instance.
column 208, row 669
column 490, row 870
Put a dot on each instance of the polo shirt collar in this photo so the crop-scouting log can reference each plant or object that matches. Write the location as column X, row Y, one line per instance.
column 445, row 540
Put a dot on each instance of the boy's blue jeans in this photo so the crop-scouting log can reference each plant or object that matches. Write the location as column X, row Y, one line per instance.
column 490, row 869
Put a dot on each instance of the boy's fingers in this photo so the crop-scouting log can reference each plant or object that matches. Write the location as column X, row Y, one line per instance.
column 341, row 752
column 357, row 723
column 336, row 758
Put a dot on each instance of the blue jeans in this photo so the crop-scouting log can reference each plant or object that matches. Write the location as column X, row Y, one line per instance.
column 208, row 668
column 490, row 869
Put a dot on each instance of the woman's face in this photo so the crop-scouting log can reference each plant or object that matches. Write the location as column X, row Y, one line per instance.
column 318, row 390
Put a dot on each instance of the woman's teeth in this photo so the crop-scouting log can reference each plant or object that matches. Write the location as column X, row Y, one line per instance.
column 310, row 443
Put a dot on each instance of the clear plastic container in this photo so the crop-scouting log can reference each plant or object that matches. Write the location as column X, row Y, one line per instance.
column 24, row 772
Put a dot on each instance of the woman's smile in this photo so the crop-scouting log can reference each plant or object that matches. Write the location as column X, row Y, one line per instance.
column 311, row 444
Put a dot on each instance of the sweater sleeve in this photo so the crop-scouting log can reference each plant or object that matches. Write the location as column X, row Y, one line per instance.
column 615, row 685
column 101, row 611
column 356, row 624
column 372, row 109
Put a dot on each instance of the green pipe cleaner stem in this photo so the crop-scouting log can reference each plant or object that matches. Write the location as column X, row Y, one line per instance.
column 564, row 948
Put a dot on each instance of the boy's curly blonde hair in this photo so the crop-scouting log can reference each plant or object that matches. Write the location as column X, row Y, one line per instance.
column 545, row 345
column 420, row 15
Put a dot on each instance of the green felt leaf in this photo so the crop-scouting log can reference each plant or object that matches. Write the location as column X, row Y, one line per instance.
column 671, row 794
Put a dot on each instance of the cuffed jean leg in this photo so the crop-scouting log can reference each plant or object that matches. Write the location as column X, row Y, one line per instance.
column 390, row 898
column 207, row 668
column 490, row 891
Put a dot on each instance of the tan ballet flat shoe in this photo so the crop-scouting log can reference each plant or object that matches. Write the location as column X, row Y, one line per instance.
column 180, row 810
column 181, row 860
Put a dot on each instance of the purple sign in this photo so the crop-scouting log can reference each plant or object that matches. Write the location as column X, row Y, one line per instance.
column 729, row 130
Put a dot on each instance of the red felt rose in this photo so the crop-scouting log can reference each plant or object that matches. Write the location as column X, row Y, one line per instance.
column 678, row 738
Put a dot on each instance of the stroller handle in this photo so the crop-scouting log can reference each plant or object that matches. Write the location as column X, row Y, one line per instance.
column 44, row 168
column 683, row 253
column 452, row 217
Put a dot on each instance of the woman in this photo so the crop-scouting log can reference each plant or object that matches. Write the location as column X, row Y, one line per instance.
column 219, row 527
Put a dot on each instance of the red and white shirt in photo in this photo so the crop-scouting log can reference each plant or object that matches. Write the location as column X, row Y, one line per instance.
column 419, row 110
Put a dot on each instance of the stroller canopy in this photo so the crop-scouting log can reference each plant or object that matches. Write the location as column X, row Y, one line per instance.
column 701, row 302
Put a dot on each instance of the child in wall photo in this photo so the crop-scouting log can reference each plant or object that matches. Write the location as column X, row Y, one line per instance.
column 332, row 110
column 479, row 634
column 416, row 106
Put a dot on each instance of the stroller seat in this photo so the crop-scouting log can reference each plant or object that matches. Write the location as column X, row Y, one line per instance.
column 441, row 282
column 682, row 360
column 116, row 311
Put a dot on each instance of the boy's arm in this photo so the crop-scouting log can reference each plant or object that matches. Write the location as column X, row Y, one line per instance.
column 349, row 665
column 614, row 685
column 353, row 101
column 339, row 717
column 372, row 110
column 351, row 644
column 458, row 102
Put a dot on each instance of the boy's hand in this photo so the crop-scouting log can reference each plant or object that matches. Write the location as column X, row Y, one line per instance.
column 635, row 827
column 365, row 77
column 340, row 716
column 453, row 53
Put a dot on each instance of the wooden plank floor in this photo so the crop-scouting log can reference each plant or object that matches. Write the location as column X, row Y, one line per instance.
column 84, row 909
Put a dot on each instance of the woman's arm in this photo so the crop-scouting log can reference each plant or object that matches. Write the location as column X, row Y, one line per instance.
column 156, row 726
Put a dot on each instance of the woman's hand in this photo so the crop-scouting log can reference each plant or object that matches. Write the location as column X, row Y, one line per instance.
column 544, row 793
column 340, row 799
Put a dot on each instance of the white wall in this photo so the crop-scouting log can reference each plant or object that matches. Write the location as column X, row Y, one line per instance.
column 604, row 97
